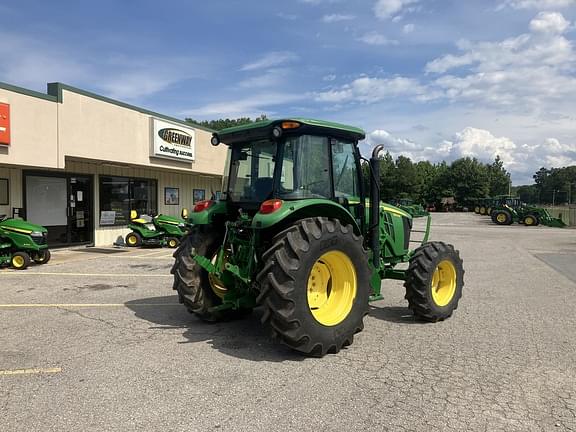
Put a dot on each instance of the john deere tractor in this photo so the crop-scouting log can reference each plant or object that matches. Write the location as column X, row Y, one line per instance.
column 297, row 234
column 511, row 210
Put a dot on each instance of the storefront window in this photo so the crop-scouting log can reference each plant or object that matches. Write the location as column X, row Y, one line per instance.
column 122, row 194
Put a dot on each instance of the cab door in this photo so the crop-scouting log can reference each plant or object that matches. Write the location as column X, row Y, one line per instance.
column 346, row 177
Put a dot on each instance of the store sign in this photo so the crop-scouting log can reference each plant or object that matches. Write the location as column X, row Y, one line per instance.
column 173, row 141
column 4, row 124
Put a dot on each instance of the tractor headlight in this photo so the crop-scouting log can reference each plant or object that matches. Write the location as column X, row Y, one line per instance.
column 277, row 132
column 182, row 225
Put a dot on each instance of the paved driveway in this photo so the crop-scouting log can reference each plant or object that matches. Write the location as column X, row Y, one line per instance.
column 97, row 341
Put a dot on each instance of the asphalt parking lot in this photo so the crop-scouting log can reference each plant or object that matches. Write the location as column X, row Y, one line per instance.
column 96, row 340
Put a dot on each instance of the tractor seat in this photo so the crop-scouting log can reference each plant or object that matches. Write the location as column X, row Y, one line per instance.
column 263, row 188
column 139, row 221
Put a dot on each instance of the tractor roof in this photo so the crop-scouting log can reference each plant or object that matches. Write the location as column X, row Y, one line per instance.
column 262, row 129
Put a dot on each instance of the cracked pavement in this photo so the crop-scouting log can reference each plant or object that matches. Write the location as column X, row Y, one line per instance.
column 505, row 360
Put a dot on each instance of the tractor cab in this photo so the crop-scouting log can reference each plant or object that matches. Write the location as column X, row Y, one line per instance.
column 292, row 160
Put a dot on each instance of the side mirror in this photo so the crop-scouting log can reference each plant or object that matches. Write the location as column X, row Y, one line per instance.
column 184, row 213
column 133, row 214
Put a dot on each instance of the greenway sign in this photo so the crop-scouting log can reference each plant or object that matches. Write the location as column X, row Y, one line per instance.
column 172, row 141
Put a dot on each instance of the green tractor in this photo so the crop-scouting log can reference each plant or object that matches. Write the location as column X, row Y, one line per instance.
column 296, row 234
column 22, row 242
column 512, row 210
column 161, row 230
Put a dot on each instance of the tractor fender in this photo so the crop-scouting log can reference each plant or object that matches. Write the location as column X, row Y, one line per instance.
column 301, row 209
column 206, row 216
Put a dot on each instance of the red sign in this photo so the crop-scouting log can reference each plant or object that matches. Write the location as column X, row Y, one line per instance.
column 4, row 124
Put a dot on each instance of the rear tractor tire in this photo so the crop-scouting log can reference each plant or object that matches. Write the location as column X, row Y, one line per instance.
column 434, row 281
column 42, row 257
column 133, row 239
column 315, row 286
column 20, row 260
column 502, row 217
column 197, row 290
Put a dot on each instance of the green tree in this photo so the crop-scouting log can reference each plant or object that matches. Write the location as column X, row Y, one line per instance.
column 498, row 177
column 220, row 124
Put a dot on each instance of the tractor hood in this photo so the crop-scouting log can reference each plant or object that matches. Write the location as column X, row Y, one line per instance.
column 21, row 226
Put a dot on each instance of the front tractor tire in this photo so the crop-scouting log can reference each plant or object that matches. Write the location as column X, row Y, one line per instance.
column 315, row 286
column 434, row 281
column 196, row 289
column 531, row 220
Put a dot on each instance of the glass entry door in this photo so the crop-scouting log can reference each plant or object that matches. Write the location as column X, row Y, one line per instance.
column 63, row 204
column 79, row 212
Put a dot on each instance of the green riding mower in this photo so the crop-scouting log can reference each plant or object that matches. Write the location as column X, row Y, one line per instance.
column 159, row 230
column 22, row 242
column 296, row 234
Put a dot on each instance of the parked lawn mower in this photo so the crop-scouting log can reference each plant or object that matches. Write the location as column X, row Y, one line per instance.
column 297, row 234
column 159, row 230
column 22, row 242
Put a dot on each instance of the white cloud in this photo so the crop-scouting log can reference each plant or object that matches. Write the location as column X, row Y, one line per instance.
column 374, row 38
column 537, row 4
column 549, row 22
column 271, row 59
column 337, row 18
column 270, row 78
column 408, row 28
column 369, row 90
column 251, row 106
column 522, row 160
column 385, row 9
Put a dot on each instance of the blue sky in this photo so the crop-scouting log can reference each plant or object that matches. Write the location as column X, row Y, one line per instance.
column 431, row 79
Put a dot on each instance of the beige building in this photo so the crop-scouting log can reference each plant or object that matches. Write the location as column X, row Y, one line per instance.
column 77, row 163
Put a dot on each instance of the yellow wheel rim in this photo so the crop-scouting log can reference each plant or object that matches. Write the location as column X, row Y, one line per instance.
column 488, row 210
column 501, row 217
column 18, row 261
column 132, row 240
column 216, row 284
column 482, row 210
column 172, row 243
column 529, row 221
column 443, row 283
column 477, row 209
column 331, row 288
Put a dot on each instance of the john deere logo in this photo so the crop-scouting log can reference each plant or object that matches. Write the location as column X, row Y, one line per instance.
column 175, row 136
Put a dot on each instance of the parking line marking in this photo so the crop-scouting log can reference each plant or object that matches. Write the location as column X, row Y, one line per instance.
column 81, row 305
column 24, row 273
column 30, row 371
column 57, row 305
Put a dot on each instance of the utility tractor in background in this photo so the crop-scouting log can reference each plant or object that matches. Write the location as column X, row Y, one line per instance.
column 511, row 210
column 296, row 234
